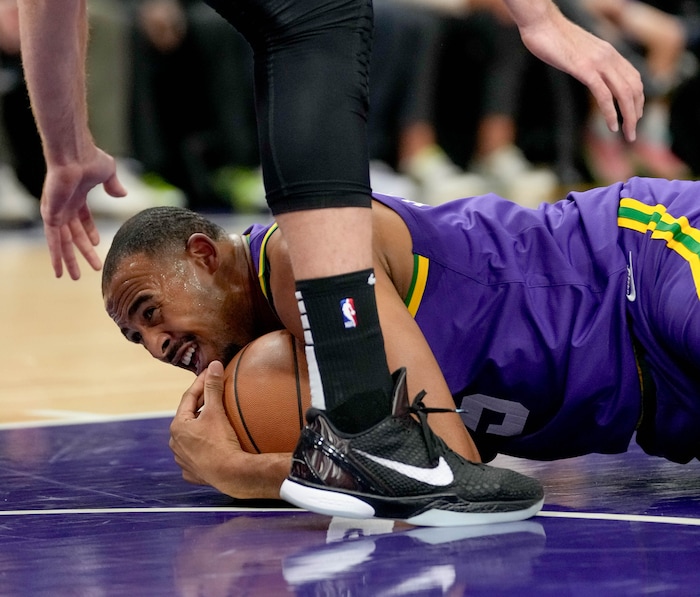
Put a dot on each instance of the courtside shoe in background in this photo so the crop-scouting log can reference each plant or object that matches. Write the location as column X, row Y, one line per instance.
column 399, row 469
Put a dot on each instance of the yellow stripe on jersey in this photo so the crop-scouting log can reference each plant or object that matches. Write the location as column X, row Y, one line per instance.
column 679, row 235
column 262, row 264
column 414, row 296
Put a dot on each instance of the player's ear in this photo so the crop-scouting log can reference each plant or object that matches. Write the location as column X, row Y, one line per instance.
column 203, row 250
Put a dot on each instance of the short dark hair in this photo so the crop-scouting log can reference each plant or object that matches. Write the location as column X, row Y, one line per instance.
column 156, row 232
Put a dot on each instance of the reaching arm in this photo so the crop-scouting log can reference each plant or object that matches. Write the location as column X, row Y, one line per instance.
column 556, row 40
column 54, row 41
column 54, row 44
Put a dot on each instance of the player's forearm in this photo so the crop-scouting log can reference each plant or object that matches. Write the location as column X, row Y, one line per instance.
column 527, row 13
column 253, row 476
column 54, row 41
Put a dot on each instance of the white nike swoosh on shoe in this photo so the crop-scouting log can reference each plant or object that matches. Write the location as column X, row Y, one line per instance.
column 631, row 288
column 438, row 476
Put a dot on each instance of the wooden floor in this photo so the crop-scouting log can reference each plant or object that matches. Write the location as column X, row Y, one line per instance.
column 62, row 357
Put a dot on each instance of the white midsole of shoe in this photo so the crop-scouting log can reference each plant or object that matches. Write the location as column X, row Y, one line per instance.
column 445, row 518
column 333, row 503
column 330, row 503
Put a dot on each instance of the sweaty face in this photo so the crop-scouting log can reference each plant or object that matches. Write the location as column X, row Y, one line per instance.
column 174, row 310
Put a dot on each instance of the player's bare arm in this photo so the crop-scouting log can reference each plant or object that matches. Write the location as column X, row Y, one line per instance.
column 51, row 29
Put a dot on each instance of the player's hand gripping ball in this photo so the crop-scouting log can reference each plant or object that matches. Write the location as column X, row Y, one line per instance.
column 266, row 393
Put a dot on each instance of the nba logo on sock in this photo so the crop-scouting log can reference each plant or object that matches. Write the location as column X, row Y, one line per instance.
column 347, row 308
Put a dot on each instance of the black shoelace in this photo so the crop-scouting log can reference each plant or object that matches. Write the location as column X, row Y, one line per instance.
column 432, row 441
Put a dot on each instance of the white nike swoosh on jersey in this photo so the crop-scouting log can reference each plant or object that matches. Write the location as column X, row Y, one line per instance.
column 439, row 476
column 631, row 288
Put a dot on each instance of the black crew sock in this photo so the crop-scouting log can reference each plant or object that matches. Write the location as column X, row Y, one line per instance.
column 348, row 370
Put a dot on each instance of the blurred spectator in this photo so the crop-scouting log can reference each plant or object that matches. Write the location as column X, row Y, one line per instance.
column 109, row 64
column 407, row 98
column 476, row 63
column 402, row 107
column 22, row 167
column 654, row 41
column 192, row 113
column 685, row 103
column 170, row 91
column 496, row 154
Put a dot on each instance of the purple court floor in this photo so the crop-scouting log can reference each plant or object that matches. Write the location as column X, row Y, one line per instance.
column 100, row 509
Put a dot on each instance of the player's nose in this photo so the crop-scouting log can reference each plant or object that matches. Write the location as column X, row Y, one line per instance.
column 158, row 344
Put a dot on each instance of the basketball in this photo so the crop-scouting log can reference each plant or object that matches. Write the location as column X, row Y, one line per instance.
column 266, row 393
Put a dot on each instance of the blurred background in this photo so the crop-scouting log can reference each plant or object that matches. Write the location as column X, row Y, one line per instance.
column 458, row 105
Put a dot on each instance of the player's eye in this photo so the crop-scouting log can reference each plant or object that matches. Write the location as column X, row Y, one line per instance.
column 148, row 313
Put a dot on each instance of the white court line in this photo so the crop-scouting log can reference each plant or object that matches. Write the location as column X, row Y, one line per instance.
column 77, row 416
column 97, row 418
column 677, row 520
column 82, row 418
column 623, row 517
column 186, row 510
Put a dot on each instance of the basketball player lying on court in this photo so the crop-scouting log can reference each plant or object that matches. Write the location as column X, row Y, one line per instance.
column 560, row 331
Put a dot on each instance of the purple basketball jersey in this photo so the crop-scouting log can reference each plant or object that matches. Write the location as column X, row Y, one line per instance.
column 530, row 315
column 525, row 312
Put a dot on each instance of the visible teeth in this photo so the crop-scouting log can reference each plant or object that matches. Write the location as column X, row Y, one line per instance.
column 188, row 356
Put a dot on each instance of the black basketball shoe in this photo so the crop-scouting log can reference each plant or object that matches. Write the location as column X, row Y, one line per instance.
column 400, row 469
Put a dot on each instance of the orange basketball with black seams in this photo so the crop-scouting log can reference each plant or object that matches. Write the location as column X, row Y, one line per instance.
column 266, row 393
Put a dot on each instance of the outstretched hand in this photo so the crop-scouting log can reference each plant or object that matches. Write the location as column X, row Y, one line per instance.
column 594, row 62
column 68, row 223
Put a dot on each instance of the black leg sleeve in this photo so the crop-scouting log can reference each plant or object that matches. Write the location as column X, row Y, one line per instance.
column 311, row 94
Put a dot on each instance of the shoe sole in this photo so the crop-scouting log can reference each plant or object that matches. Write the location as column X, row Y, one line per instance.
column 335, row 503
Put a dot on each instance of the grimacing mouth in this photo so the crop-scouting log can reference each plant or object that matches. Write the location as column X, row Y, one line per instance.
column 185, row 355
